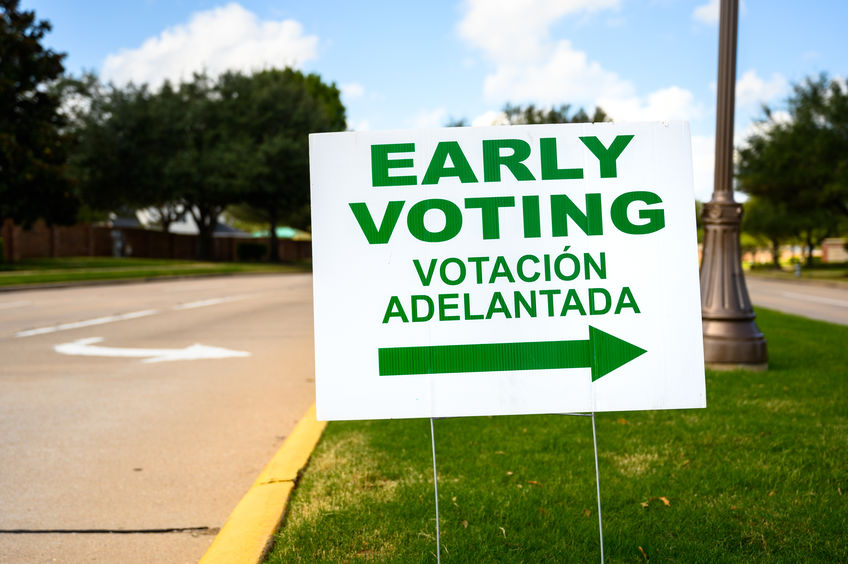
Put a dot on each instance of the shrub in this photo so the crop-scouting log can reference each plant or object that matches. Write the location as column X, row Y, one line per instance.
column 251, row 251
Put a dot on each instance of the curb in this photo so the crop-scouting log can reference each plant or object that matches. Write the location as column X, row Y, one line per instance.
column 139, row 280
column 248, row 533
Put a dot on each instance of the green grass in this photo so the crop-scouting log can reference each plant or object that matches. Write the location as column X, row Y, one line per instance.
column 761, row 475
column 822, row 272
column 77, row 269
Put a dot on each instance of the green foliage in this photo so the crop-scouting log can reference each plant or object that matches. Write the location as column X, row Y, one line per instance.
column 758, row 476
column 531, row 115
column 203, row 145
column 457, row 122
column 278, row 110
column 122, row 145
column 251, row 251
column 208, row 166
column 516, row 115
column 765, row 219
column 699, row 220
column 245, row 218
column 797, row 168
column 33, row 183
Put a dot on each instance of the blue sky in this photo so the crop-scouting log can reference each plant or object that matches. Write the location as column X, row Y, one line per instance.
column 419, row 64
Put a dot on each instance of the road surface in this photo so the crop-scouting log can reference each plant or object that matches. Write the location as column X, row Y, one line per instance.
column 110, row 421
column 825, row 303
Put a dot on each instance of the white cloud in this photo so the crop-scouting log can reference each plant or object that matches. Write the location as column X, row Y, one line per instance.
column 353, row 90
column 751, row 89
column 513, row 32
column 490, row 118
column 224, row 38
column 530, row 67
column 430, row 118
column 710, row 12
column 567, row 74
column 664, row 104
column 703, row 167
column 759, row 127
column 363, row 125
column 707, row 13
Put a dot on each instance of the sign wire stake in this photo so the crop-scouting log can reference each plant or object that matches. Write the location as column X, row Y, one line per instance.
column 597, row 483
column 436, row 490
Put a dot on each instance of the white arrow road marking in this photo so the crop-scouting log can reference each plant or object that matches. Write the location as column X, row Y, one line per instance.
column 83, row 347
column 86, row 323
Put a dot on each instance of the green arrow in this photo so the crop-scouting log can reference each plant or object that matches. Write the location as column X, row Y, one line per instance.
column 601, row 352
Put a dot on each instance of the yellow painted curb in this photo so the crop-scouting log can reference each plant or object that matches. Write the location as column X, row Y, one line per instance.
column 247, row 534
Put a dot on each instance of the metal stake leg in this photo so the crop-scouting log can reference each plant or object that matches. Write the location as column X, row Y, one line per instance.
column 597, row 482
column 436, row 490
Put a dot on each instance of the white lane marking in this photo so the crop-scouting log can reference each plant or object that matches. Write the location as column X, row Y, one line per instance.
column 86, row 323
column 84, row 347
column 10, row 305
column 120, row 317
column 818, row 299
column 209, row 302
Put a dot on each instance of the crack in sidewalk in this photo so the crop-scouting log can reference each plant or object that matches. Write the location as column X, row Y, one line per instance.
column 193, row 530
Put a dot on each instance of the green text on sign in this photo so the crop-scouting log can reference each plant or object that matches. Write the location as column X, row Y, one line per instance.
column 601, row 352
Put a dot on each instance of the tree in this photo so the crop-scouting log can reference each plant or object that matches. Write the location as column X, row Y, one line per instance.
column 800, row 163
column 516, row 115
column 119, row 146
column 33, row 183
column 531, row 115
column 163, row 141
column 278, row 109
column 204, row 145
column 771, row 221
column 176, row 151
column 213, row 156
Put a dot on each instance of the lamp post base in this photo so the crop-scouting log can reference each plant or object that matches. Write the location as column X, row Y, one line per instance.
column 731, row 337
column 734, row 345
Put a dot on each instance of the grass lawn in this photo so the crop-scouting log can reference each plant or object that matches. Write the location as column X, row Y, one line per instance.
column 837, row 273
column 761, row 475
column 76, row 269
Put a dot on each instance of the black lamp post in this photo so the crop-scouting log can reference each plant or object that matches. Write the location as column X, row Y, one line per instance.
column 731, row 337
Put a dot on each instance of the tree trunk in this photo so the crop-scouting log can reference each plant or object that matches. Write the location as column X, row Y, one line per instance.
column 274, row 251
column 206, row 220
column 809, row 249
column 164, row 219
column 775, row 253
column 168, row 214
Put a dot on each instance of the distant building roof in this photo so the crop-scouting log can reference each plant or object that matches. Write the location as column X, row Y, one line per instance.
column 125, row 221
column 222, row 229
column 286, row 233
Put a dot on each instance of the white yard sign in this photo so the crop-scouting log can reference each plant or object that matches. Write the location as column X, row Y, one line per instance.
column 505, row 270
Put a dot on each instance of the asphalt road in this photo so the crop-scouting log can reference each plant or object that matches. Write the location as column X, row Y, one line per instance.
column 150, row 439
column 825, row 303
